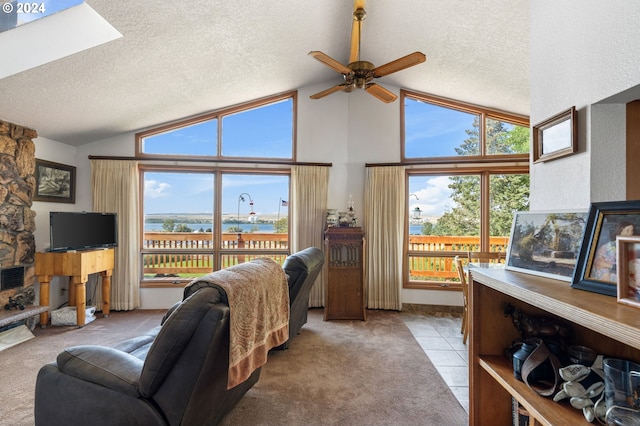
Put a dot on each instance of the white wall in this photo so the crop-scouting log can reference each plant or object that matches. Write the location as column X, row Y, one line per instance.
column 50, row 150
column 582, row 53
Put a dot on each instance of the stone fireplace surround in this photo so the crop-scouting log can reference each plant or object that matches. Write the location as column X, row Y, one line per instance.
column 17, row 220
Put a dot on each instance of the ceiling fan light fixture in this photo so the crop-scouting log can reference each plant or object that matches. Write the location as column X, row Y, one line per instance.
column 359, row 74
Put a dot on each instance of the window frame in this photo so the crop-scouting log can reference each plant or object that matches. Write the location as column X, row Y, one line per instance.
column 219, row 116
column 217, row 250
column 484, row 172
column 483, row 112
column 485, row 165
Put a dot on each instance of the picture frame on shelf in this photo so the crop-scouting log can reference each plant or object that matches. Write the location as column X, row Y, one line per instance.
column 596, row 270
column 55, row 182
column 546, row 243
column 556, row 137
column 628, row 261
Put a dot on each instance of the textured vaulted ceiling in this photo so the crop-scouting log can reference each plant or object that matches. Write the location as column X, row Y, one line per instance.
column 181, row 58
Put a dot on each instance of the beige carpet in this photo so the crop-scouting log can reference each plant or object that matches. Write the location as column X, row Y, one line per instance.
column 19, row 365
column 334, row 373
column 350, row 373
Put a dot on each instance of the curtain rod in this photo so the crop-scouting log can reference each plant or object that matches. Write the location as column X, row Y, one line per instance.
column 383, row 164
column 200, row 160
column 447, row 161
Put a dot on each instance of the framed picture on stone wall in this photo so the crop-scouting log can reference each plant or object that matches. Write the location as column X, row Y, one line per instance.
column 55, row 182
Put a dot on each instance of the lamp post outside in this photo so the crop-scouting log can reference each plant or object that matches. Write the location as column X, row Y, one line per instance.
column 251, row 212
column 416, row 211
column 416, row 214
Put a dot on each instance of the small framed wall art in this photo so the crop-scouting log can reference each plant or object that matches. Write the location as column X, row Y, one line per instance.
column 628, row 260
column 556, row 137
column 55, row 182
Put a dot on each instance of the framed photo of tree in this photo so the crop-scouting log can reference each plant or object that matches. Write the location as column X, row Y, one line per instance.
column 546, row 243
column 55, row 182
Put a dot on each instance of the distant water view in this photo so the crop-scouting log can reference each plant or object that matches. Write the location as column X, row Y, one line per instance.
column 246, row 227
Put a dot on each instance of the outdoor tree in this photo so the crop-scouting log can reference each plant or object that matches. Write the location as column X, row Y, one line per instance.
column 428, row 228
column 168, row 225
column 508, row 192
column 281, row 226
column 182, row 228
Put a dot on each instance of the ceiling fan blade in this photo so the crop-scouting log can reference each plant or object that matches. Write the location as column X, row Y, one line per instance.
column 356, row 30
column 381, row 93
column 410, row 60
column 328, row 60
column 328, row 91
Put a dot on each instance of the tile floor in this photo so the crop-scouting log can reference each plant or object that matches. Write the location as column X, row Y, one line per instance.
column 439, row 335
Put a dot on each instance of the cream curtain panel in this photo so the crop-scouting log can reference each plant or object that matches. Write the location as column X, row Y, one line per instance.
column 384, row 224
column 115, row 189
column 310, row 186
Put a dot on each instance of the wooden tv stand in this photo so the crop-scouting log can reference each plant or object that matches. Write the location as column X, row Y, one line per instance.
column 597, row 321
column 78, row 265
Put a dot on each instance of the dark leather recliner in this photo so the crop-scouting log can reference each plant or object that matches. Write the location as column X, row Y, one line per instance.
column 175, row 375
column 302, row 268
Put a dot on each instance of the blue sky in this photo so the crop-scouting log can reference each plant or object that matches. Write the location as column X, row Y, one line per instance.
column 434, row 131
column 193, row 193
column 260, row 132
column 40, row 9
column 433, row 195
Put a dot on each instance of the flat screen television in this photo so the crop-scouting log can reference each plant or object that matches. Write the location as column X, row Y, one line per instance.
column 82, row 230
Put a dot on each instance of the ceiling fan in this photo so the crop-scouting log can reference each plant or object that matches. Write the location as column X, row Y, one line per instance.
column 359, row 74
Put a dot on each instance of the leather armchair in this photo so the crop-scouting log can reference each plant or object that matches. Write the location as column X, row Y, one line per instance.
column 302, row 268
column 174, row 375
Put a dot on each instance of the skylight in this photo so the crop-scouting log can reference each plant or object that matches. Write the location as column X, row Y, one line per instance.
column 70, row 27
column 16, row 13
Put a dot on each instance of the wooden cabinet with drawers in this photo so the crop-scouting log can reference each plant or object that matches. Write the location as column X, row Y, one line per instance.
column 345, row 287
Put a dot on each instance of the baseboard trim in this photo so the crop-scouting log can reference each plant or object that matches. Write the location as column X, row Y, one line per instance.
column 431, row 309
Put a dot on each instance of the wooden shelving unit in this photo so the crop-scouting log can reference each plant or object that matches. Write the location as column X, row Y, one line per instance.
column 597, row 321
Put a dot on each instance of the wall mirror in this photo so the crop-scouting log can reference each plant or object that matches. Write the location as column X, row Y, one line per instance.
column 556, row 137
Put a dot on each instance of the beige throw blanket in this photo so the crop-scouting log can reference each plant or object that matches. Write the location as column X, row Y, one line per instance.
column 258, row 297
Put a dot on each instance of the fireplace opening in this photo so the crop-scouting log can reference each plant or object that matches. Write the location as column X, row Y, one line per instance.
column 11, row 278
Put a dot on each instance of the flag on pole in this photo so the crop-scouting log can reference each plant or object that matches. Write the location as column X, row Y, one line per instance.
column 285, row 203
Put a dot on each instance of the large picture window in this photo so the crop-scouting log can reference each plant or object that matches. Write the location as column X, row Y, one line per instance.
column 186, row 234
column 447, row 217
column 259, row 130
column 467, row 174
column 438, row 129
column 222, row 198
